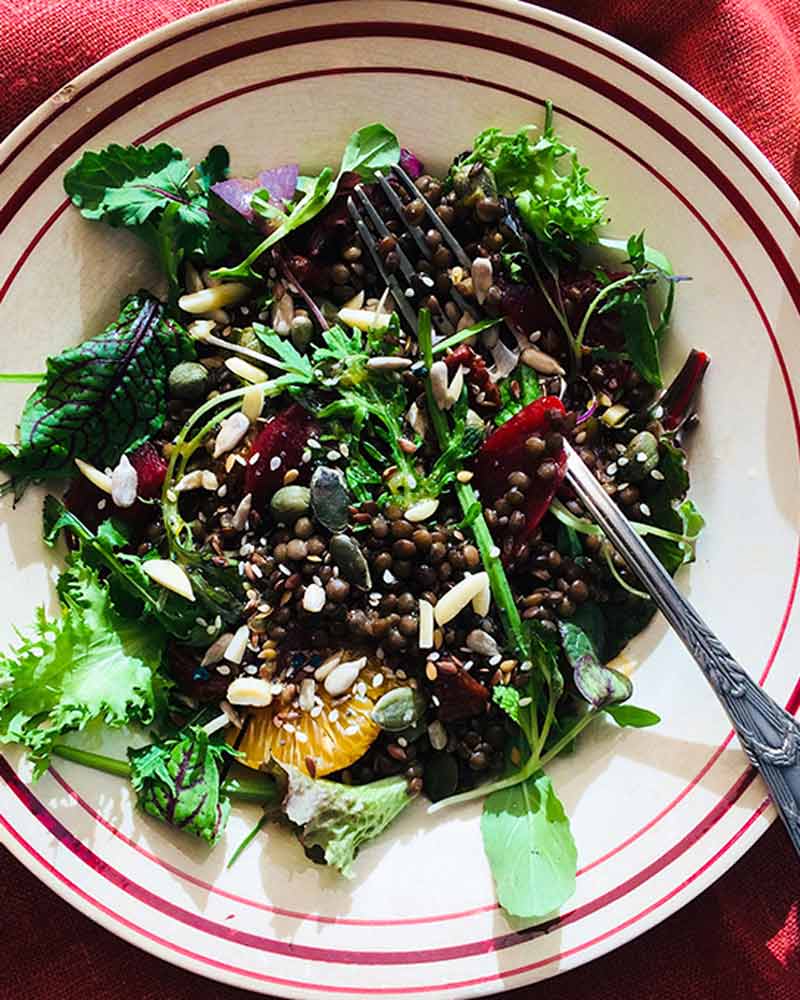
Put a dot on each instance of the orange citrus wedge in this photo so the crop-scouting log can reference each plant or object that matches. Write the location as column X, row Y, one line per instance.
column 334, row 735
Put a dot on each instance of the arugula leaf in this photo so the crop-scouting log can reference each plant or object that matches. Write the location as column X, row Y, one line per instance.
column 91, row 663
column 298, row 366
column 337, row 819
column 100, row 399
column 553, row 202
column 598, row 684
column 178, row 781
column 219, row 594
column 530, row 389
column 371, row 148
column 641, row 340
column 529, row 844
column 213, row 169
column 630, row 715
column 132, row 186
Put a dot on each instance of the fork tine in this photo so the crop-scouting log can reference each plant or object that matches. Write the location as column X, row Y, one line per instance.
column 447, row 236
column 394, row 200
column 408, row 269
column 405, row 307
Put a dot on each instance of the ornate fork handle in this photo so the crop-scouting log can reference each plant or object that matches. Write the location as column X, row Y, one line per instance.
column 769, row 735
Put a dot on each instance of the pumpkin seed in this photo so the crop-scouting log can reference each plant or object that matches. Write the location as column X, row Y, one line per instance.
column 329, row 497
column 290, row 502
column 347, row 555
column 540, row 362
column 437, row 734
column 642, row 456
column 398, row 709
column 482, row 643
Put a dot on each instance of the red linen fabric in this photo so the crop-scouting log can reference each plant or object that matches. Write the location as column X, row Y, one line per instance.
column 739, row 940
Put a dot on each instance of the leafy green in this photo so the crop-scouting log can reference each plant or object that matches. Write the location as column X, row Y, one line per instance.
column 641, row 340
column 529, row 844
column 630, row 715
column 90, row 663
column 337, row 819
column 298, row 367
column 553, row 202
column 133, row 186
column 219, row 595
column 100, row 399
column 530, row 389
column 599, row 685
column 371, row 148
column 178, row 781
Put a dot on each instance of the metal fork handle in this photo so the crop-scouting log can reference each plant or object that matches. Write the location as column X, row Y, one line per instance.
column 769, row 735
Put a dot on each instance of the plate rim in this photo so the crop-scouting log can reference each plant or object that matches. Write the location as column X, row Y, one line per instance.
column 707, row 113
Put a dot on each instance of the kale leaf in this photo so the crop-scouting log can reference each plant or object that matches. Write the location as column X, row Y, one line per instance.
column 100, row 399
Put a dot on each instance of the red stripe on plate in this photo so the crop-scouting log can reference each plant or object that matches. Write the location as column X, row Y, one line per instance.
column 312, row 953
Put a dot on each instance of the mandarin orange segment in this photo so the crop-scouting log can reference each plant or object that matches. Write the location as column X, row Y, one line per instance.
column 334, row 734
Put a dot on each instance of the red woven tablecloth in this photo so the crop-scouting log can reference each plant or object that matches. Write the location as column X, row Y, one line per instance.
column 739, row 940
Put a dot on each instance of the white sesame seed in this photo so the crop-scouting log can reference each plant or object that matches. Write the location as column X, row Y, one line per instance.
column 494, row 552
column 409, row 293
column 344, row 449
column 101, row 504
column 257, row 571
column 622, row 460
column 657, row 475
column 284, row 569
column 223, row 669
column 644, row 509
column 275, row 462
column 351, row 730
column 658, row 412
column 289, row 727
column 641, row 456
column 433, row 657
column 402, row 741
column 402, row 675
column 251, row 669
column 469, row 665
column 611, row 469
column 316, row 711
column 333, row 455
column 305, row 458
column 389, row 577
column 300, row 736
column 526, row 665
column 222, row 490
column 313, row 443
column 524, row 702
column 254, row 458
column 377, row 680
column 334, row 715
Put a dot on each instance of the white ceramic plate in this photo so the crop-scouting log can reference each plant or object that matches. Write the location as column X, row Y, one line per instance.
column 658, row 815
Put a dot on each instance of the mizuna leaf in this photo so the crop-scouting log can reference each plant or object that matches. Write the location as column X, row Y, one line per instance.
column 100, row 399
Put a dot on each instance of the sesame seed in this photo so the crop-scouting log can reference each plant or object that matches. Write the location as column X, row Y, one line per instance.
column 620, row 449
column 641, row 456
column 101, row 504
column 524, row 702
column 223, row 669
column 464, row 476
column 305, row 458
column 377, row 680
column 334, row 715
column 254, row 458
column 313, row 443
column 344, row 449
column 222, row 490
column 333, row 455
column 644, row 509
column 622, row 460
column 402, row 741
column 658, row 412
column 201, row 621
column 316, row 711
column 402, row 675
column 611, row 469
column 495, row 660
column 494, row 552
column 210, row 629
column 275, row 463
column 289, row 727
column 257, row 571
column 251, row 669
column 389, row 577
column 433, row 657
column 657, row 475
column 409, row 293
column 300, row 736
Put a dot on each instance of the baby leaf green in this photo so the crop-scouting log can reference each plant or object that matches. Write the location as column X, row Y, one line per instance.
column 529, row 844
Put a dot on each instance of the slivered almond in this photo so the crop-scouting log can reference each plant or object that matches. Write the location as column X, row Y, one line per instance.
column 244, row 370
column 482, row 601
column 425, row 625
column 210, row 299
column 95, row 476
column 169, row 575
column 253, row 402
column 235, row 650
column 455, row 600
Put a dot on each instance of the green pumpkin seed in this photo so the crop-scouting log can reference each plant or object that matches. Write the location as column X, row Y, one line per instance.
column 398, row 709
column 347, row 555
column 290, row 502
column 329, row 497
column 642, row 457
column 441, row 776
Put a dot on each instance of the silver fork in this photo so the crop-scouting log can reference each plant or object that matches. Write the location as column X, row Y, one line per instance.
column 769, row 735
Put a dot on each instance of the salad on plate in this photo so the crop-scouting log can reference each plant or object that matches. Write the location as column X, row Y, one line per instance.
column 321, row 559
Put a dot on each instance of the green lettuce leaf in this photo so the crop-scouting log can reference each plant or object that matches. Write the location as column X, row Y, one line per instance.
column 531, row 851
column 91, row 663
column 337, row 819
column 100, row 399
column 546, row 179
column 178, row 781
column 630, row 715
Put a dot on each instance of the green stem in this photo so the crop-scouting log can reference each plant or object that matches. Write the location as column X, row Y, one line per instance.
column 23, row 377
column 604, row 292
column 263, row 791
column 557, row 509
column 570, row 735
column 465, row 334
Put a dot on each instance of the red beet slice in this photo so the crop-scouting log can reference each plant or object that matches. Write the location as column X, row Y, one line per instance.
column 279, row 447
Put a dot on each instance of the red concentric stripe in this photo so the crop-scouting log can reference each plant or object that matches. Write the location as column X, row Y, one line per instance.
column 784, row 371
